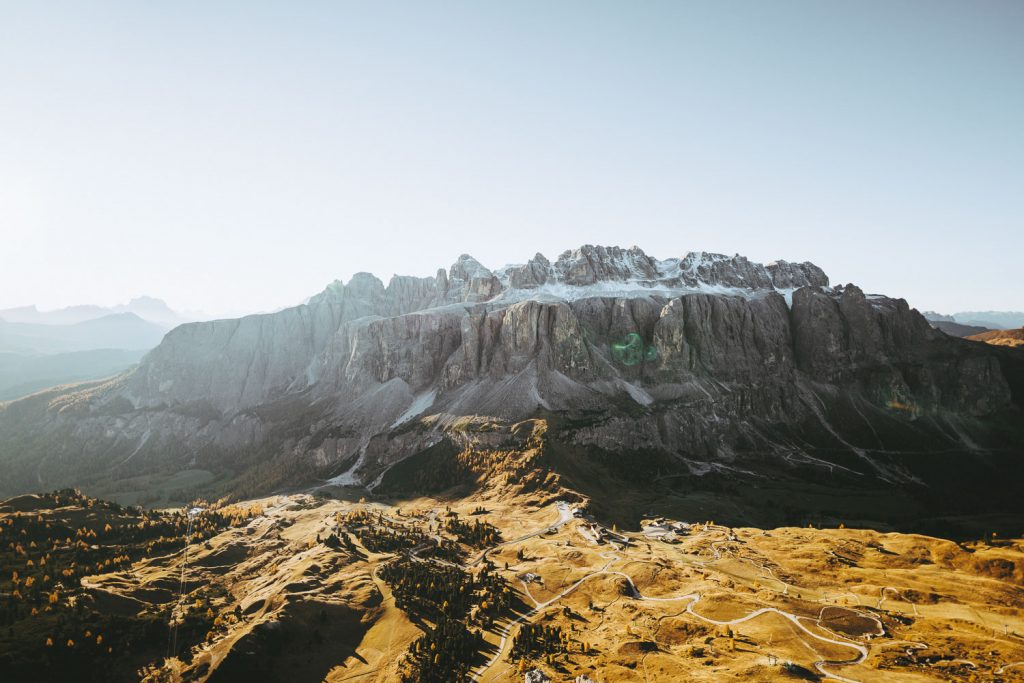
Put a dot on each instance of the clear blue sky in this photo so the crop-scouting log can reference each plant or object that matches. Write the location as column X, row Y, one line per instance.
column 239, row 156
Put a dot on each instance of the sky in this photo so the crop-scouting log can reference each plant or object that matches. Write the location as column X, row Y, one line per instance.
column 238, row 156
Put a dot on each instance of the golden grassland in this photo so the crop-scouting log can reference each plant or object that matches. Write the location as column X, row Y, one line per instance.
column 1011, row 338
column 707, row 604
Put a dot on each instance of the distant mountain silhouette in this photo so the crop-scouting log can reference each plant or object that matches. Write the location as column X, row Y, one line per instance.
column 114, row 331
column 146, row 307
column 956, row 329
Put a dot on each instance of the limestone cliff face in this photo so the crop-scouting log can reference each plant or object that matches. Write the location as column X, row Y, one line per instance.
column 363, row 331
column 704, row 357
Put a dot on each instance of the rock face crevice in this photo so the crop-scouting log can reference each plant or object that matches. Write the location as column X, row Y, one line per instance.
column 703, row 358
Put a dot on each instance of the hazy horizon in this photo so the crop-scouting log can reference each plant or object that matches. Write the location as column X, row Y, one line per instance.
column 235, row 159
column 208, row 313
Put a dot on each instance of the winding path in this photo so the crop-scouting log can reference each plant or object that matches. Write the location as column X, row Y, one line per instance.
column 800, row 622
column 1004, row 667
column 564, row 515
column 693, row 598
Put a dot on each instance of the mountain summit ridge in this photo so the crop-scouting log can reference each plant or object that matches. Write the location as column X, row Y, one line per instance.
column 587, row 271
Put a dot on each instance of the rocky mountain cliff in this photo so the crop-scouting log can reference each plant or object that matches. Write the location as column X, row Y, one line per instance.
column 696, row 370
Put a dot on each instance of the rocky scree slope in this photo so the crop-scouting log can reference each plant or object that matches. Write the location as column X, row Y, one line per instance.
column 704, row 366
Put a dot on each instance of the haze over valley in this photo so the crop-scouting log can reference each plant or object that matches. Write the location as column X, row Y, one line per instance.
column 40, row 349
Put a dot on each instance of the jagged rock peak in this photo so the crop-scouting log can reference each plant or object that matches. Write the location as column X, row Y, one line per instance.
column 332, row 293
column 470, row 281
column 590, row 266
column 534, row 273
column 466, row 268
column 786, row 275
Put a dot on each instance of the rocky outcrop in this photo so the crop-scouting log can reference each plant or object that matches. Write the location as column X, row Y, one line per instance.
column 535, row 676
column 785, row 275
column 847, row 338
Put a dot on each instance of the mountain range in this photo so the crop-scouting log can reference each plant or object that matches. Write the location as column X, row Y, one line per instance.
column 40, row 349
column 34, row 356
column 153, row 310
column 114, row 331
column 980, row 320
column 655, row 380
column 1000, row 320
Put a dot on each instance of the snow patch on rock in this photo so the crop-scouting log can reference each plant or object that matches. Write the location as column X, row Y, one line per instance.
column 418, row 406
